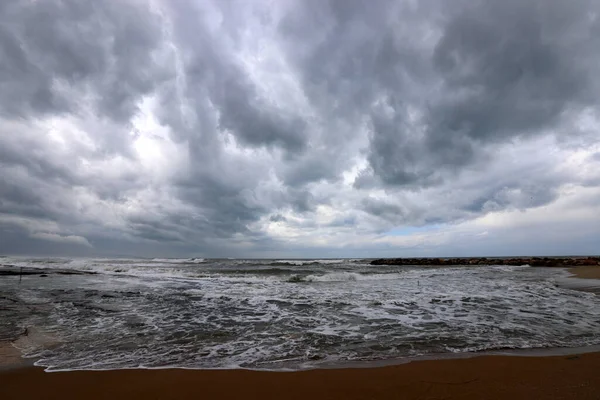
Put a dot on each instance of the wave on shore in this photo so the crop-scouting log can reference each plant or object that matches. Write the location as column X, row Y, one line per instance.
column 284, row 314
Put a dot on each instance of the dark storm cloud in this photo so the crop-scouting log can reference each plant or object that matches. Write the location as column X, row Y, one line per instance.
column 212, row 96
column 430, row 105
column 388, row 212
column 51, row 48
column 150, row 232
column 514, row 68
column 16, row 150
column 37, row 179
column 19, row 241
column 70, row 58
column 21, row 200
column 277, row 218
column 289, row 113
column 348, row 53
column 508, row 69
column 313, row 168
column 498, row 70
column 521, row 196
column 212, row 73
column 253, row 123
column 222, row 207
column 302, row 201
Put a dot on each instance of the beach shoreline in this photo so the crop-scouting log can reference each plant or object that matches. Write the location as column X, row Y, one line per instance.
column 562, row 373
column 11, row 358
column 494, row 377
column 586, row 272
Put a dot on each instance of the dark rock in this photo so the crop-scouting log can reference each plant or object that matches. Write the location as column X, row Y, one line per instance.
column 11, row 270
column 514, row 261
column 17, row 273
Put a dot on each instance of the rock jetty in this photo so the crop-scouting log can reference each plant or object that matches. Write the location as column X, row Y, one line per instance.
column 531, row 261
column 13, row 270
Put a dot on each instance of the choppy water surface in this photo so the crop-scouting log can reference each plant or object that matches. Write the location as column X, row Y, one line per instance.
column 278, row 314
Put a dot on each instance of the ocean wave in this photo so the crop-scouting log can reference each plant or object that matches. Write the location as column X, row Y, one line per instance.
column 335, row 277
column 179, row 260
column 308, row 262
column 257, row 271
column 342, row 277
column 231, row 319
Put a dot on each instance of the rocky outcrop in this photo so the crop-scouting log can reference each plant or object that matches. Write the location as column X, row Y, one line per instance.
column 532, row 261
column 12, row 270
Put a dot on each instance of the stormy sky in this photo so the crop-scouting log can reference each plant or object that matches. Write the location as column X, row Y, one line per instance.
column 309, row 128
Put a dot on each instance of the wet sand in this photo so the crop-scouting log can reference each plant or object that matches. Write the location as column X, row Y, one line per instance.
column 10, row 351
column 486, row 377
column 587, row 272
column 10, row 357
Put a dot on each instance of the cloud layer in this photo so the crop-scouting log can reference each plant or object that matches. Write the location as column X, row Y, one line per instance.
column 299, row 129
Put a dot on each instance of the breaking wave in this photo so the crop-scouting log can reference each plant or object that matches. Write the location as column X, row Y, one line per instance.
column 274, row 314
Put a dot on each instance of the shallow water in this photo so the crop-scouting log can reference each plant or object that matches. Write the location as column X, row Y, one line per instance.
column 287, row 314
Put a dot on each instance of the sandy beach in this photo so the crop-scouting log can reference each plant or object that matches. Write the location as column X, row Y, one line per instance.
column 487, row 377
column 10, row 357
column 587, row 272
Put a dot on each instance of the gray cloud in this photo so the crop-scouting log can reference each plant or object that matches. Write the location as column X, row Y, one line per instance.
column 512, row 67
column 277, row 218
column 393, row 213
column 242, row 128
column 60, row 52
column 501, row 71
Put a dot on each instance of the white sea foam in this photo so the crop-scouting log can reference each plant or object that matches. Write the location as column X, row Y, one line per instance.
column 179, row 260
column 252, row 314
column 310, row 262
column 351, row 276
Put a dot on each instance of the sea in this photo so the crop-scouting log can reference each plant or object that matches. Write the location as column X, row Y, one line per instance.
column 282, row 314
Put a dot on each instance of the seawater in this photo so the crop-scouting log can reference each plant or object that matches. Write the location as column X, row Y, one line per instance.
column 286, row 314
